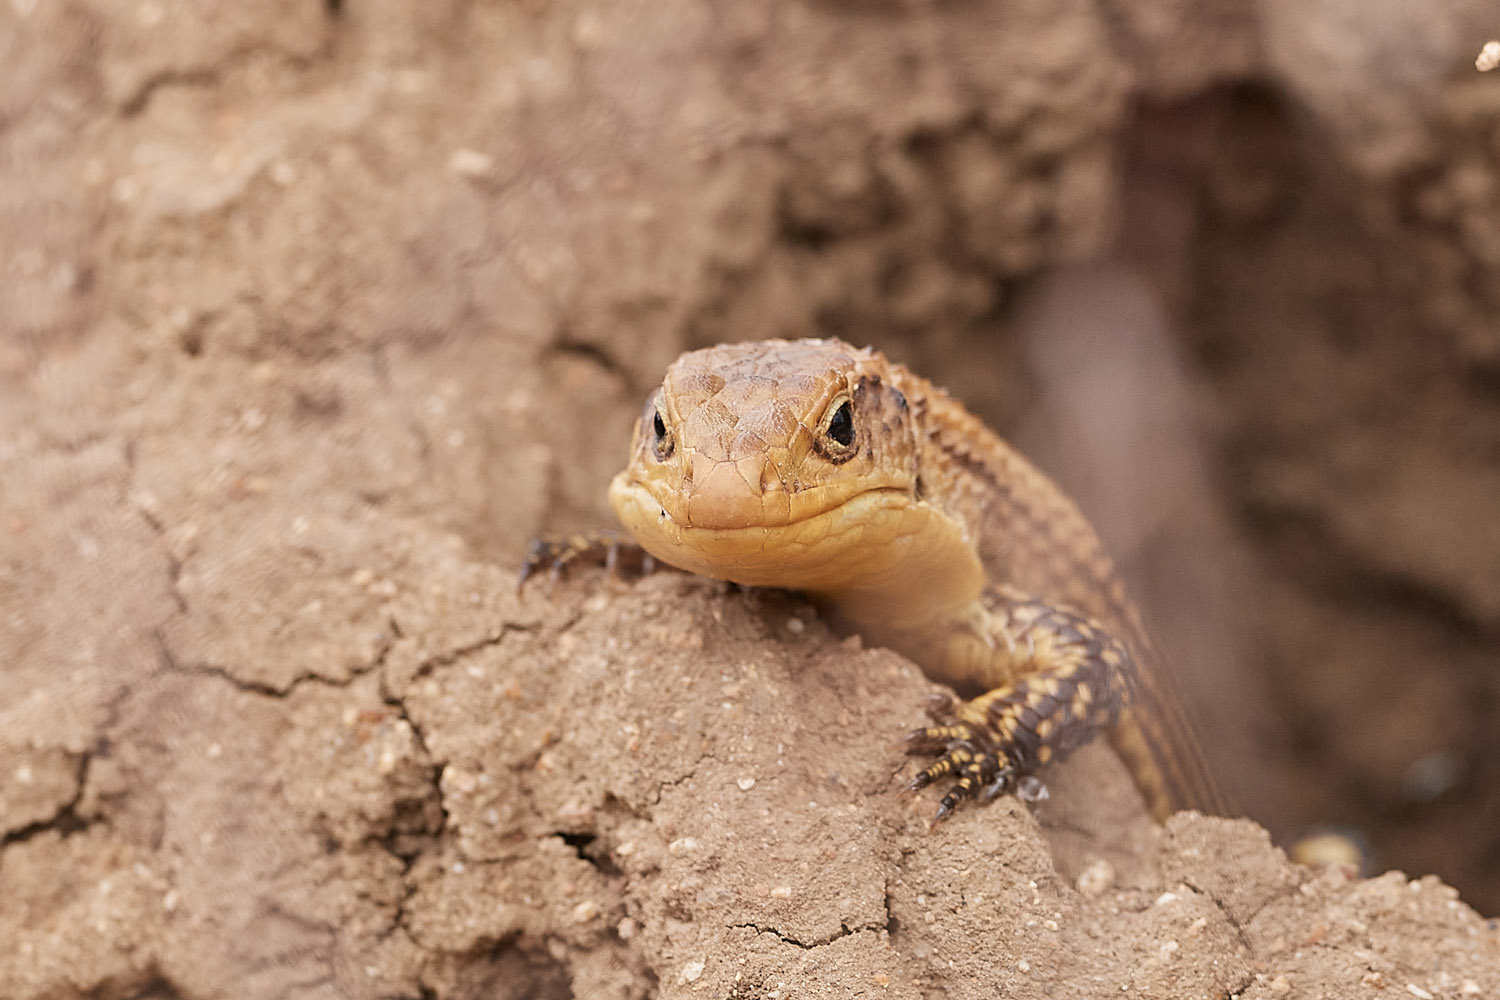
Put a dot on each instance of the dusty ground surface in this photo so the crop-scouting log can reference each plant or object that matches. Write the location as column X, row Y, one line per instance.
column 311, row 315
column 666, row 789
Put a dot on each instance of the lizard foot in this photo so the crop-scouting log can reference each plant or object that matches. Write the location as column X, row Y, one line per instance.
column 557, row 556
column 969, row 753
column 1069, row 681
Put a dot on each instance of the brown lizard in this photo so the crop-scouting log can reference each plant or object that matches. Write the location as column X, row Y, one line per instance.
column 815, row 466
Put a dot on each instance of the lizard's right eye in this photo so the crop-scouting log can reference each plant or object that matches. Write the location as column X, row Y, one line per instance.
column 662, row 445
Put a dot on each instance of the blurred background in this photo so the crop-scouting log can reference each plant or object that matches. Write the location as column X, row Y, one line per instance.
column 1227, row 269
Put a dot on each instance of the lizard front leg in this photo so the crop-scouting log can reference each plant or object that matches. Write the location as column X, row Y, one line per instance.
column 1060, row 678
column 558, row 555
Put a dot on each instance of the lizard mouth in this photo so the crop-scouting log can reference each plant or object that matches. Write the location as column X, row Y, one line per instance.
column 839, row 538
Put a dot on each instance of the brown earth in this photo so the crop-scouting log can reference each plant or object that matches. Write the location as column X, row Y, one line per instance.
column 312, row 315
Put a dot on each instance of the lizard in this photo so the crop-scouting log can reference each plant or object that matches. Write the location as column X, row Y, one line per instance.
column 819, row 467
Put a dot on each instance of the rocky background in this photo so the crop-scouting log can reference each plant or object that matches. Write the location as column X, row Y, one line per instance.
column 312, row 314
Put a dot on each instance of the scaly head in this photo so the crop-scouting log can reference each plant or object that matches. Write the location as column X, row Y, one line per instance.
column 769, row 463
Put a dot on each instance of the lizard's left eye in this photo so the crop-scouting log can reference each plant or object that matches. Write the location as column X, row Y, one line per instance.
column 841, row 425
column 838, row 430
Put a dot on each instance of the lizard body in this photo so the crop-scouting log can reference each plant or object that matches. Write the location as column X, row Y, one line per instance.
column 816, row 466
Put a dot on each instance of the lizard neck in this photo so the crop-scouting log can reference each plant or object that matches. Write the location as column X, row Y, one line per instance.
column 1024, row 528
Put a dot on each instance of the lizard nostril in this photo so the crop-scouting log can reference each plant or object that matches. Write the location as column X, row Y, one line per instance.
column 770, row 478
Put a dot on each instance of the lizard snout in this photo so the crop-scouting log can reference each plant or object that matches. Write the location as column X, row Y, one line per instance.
column 732, row 493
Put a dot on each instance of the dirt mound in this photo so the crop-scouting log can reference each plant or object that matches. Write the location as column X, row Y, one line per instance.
column 660, row 789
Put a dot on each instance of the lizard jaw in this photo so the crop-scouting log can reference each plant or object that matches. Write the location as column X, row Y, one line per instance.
column 855, row 554
column 818, row 552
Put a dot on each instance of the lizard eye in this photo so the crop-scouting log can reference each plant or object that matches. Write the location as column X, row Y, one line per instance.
column 662, row 444
column 841, row 426
column 838, row 430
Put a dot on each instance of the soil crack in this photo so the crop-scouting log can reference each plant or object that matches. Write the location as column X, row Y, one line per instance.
column 65, row 821
column 844, row 931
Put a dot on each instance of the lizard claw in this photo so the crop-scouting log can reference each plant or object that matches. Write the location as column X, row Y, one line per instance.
column 541, row 552
column 938, row 706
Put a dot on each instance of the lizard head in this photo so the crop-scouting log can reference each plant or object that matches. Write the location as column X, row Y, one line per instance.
column 754, row 455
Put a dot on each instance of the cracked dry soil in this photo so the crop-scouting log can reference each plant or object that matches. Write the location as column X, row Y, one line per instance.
column 661, row 788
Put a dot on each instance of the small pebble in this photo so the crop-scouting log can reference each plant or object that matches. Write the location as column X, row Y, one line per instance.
column 1097, row 878
column 470, row 163
column 1489, row 57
